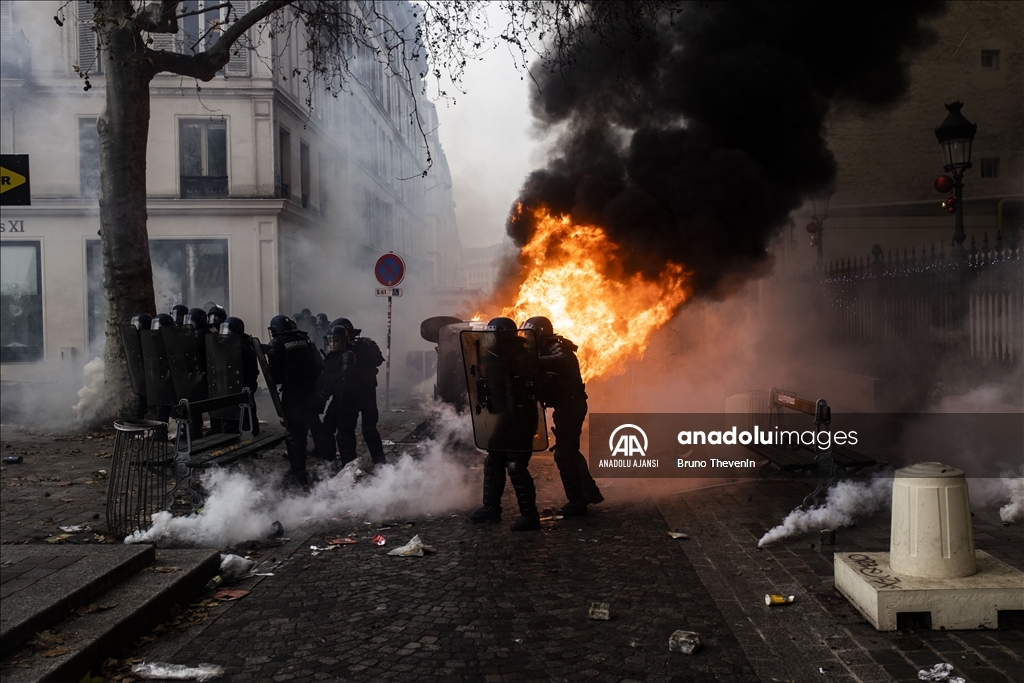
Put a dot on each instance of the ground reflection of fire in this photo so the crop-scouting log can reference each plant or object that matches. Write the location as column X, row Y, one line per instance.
column 574, row 277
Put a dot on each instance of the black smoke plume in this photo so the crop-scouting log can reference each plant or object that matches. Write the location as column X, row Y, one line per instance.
column 691, row 137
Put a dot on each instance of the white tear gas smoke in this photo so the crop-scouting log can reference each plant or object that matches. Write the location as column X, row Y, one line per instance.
column 845, row 501
column 1014, row 510
column 90, row 396
column 243, row 507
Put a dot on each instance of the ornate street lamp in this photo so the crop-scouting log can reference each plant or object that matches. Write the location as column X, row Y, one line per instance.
column 955, row 136
column 819, row 212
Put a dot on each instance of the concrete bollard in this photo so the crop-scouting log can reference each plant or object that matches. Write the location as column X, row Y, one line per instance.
column 931, row 535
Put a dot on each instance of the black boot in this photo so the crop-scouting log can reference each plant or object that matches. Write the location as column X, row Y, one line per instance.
column 494, row 487
column 569, row 471
column 573, row 510
column 526, row 495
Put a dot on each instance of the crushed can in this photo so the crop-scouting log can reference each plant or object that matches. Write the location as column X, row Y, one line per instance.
column 772, row 599
column 13, row 460
column 379, row 540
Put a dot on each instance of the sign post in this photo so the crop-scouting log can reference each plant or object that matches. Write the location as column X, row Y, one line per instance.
column 389, row 271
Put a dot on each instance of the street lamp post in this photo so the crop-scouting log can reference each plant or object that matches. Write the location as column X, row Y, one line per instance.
column 955, row 136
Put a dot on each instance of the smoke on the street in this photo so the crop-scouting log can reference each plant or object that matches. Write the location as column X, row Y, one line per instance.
column 845, row 502
column 242, row 506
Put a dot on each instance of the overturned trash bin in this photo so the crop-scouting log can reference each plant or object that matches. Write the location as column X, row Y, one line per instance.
column 140, row 476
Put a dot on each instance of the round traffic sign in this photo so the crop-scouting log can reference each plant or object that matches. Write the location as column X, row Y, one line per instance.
column 389, row 269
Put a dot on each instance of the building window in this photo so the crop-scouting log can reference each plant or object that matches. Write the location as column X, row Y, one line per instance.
column 304, row 173
column 285, row 155
column 88, row 158
column 21, row 302
column 990, row 168
column 204, row 159
column 990, row 59
column 88, row 40
column 189, row 272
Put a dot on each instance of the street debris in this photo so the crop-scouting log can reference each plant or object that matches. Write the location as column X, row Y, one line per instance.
column 677, row 534
column 342, row 540
column 276, row 530
column 77, row 529
column 13, row 459
column 59, row 538
column 414, row 548
column 939, row 672
column 99, row 474
column 162, row 569
column 827, row 536
column 599, row 611
column 379, row 540
column 686, row 642
column 233, row 567
column 177, row 672
column 230, row 594
column 774, row 599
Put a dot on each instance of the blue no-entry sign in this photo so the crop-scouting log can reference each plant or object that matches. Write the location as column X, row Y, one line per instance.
column 389, row 269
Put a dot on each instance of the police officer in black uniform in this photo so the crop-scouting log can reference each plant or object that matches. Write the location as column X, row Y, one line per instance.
column 216, row 316
column 199, row 321
column 337, row 384
column 564, row 391
column 295, row 364
column 250, row 372
column 179, row 313
column 162, row 413
column 516, row 462
column 364, row 392
column 140, row 322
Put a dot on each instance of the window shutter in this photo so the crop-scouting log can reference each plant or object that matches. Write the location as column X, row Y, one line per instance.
column 163, row 41
column 6, row 27
column 238, row 64
column 87, row 48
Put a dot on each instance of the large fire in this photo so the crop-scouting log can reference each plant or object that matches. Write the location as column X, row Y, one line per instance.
column 574, row 278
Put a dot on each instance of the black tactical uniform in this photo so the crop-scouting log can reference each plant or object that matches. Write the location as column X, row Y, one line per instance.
column 295, row 364
column 199, row 321
column 514, row 430
column 250, row 372
column 564, row 391
column 140, row 322
column 363, row 400
column 337, row 384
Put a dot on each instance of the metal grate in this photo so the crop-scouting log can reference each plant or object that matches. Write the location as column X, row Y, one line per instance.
column 140, row 476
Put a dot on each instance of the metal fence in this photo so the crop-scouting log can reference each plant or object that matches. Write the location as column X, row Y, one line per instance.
column 973, row 307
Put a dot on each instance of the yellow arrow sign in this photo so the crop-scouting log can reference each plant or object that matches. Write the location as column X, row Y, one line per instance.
column 10, row 180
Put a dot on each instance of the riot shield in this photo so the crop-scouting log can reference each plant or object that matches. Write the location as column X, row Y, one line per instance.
column 159, row 386
column 224, row 371
column 267, row 377
column 133, row 354
column 185, row 358
column 500, row 369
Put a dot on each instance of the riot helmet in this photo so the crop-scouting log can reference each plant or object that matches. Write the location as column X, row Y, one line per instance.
column 306, row 312
column 217, row 315
column 280, row 324
column 142, row 321
column 321, row 320
column 353, row 332
column 232, row 325
column 500, row 324
column 540, row 325
column 179, row 313
column 162, row 320
column 196, row 318
column 337, row 338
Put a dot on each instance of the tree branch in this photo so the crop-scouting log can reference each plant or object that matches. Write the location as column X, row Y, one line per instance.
column 205, row 65
column 157, row 17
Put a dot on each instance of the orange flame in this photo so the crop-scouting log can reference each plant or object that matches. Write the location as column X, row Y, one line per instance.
column 574, row 278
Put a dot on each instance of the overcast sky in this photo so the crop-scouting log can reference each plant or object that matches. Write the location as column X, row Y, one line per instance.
column 486, row 138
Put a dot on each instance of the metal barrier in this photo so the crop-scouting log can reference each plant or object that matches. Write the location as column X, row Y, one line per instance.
column 140, row 476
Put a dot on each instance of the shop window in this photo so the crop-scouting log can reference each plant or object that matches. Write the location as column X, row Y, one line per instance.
column 21, row 302
column 990, row 60
column 189, row 272
column 204, row 159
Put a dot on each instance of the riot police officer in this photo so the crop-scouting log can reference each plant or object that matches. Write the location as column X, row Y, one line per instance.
column 337, row 384
column 295, row 363
column 140, row 322
column 364, row 391
column 564, row 391
column 162, row 413
column 516, row 462
column 250, row 372
column 216, row 316
column 199, row 321
column 179, row 313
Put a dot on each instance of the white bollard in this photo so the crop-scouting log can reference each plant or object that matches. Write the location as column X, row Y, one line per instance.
column 931, row 534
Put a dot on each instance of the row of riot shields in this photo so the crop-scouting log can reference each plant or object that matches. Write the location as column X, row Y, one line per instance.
column 168, row 364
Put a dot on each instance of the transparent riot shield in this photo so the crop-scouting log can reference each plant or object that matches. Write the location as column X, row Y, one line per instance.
column 224, row 370
column 185, row 358
column 261, row 358
column 133, row 354
column 159, row 386
column 500, row 370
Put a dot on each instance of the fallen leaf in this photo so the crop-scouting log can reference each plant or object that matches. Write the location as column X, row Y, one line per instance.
column 161, row 569
column 56, row 652
column 229, row 594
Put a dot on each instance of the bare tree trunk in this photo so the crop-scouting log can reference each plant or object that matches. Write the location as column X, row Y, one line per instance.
column 123, row 135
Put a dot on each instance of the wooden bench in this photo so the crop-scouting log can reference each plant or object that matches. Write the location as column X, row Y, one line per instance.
column 216, row 449
column 825, row 463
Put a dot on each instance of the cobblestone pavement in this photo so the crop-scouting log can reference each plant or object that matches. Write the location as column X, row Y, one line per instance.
column 492, row 605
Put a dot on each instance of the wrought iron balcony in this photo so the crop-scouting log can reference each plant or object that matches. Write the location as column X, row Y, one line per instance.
column 193, row 187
